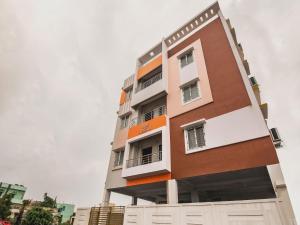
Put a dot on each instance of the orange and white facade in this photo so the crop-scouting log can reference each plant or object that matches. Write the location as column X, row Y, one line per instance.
column 192, row 129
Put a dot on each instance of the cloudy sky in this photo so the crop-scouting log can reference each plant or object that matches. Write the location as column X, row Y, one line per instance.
column 62, row 63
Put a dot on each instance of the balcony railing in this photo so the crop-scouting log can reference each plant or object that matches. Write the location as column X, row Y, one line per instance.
column 161, row 110
column 145, row 159
column 150, row 81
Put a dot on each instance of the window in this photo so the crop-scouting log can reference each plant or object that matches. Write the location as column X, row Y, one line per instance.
column 186, row 59
column 119, row 156
column 195, row 136
column 190, row 92
column 124, row 121
column 128, row 95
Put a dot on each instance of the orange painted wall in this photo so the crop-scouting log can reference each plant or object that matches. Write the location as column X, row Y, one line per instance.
column 123, row 97
column 147, row 126
column 142, row 71
column 147, row 180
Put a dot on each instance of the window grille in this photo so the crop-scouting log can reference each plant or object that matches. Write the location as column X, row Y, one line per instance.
column 195, row 137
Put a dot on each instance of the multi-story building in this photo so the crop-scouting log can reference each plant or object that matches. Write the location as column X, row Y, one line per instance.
column 17, row 190
column 192, row 129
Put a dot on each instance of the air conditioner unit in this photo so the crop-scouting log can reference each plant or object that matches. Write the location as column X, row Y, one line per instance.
column 276, row 137
column 253, row 81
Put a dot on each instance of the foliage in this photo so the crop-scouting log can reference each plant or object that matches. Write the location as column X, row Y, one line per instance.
column 38, row 216
column 19, row 217
column 48, row 202
column 5, row 205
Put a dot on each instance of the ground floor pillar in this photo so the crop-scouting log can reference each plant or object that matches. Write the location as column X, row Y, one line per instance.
column 133, row 200
column 106, row 197
column 172, row 191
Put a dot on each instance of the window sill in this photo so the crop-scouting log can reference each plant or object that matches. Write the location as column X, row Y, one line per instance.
column 117, row 167
column 193, row 100
column 199, row 149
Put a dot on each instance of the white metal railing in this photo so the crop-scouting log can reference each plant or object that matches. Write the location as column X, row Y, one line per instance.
column 146, row 83
column 145, row 159
column 158, row 111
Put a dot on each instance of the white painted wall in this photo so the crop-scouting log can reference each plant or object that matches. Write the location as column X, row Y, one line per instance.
column 257, row 212
column 234, row 127
column 188, row 73
column 82, row 216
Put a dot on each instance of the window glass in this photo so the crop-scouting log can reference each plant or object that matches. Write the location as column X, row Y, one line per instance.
column 119, row 156
column 195, row 137
column 124, row 121
column 186, row 59
column 190, row 92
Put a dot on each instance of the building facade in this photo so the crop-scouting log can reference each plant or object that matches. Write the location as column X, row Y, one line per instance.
column 17, row 190
column 66, row 211
column 191, row 126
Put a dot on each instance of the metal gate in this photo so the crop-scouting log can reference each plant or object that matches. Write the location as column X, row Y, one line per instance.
column 108, row 215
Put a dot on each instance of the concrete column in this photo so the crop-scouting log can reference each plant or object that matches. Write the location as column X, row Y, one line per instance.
column 195, row 196
column 172, row 192
column 133, row 200
column 106, row 197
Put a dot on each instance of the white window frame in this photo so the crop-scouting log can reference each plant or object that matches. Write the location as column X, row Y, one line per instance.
column 189, row 84
column 186, row 127
column 117, row 157
column 184, row 55
column 126, row 118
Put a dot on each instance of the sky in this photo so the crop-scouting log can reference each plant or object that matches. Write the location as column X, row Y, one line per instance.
column 63, row 62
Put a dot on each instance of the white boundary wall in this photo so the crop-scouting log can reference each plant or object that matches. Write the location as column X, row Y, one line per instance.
column 252, row 212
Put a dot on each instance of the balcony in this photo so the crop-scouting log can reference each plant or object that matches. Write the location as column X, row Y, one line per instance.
column 150, row 83
column 128, row 82
column 124, row 109
column 147, row 150
column 146, row 124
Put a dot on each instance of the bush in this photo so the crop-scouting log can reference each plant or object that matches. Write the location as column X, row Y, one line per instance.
column 38, row 216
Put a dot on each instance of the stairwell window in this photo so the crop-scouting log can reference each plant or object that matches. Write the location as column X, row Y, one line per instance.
column 119, row 156
column 124, row 121
column 186, row 59
column 190, row 92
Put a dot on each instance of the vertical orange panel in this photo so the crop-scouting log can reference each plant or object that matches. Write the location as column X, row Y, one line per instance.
column 123, row 97
column 142, row 71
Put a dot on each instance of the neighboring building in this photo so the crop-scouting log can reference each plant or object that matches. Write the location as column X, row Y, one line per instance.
column 191, row 128
column 17, row 190
column 66, row 211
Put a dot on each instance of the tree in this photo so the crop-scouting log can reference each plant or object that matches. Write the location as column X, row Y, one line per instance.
column 38, row 216
column 48, row 202
column 20, row 216
column 5, row 205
